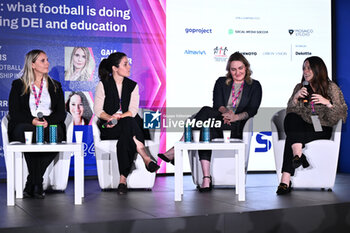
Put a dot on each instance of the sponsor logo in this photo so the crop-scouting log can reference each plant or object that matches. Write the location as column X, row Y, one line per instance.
column 303, row 53
column 258, row 32
column 249, row 53
column 262, row 138
column 195, row 52
column 198, row 30
column 151, row 119
column 300, row 32
column 274, row 53
column 220, row 53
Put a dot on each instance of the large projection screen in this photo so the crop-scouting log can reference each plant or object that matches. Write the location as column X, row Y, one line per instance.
column 275, row 36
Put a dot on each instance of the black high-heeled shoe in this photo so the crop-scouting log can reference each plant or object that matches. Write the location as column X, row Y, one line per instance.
column 283, row 188
column 152, row 167
column 166, row 159
column 206, row 189
column 122, row 189
column 298, row 161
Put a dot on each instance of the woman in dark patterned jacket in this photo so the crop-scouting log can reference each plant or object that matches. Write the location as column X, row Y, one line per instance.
column 315, row 97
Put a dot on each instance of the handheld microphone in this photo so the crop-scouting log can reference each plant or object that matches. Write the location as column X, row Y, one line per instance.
column 40, row 116
column 306, row 99
column 112, row 122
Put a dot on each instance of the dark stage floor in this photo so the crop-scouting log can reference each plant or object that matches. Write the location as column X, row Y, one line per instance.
column 146, row 211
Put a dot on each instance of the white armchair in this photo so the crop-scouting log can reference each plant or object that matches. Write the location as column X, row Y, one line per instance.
column 56, row 175
column 321, row 154
column 222, row 167
column 107, row 163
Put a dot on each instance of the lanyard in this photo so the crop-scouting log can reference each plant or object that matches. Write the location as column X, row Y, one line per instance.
column 37, row 97
column 235, row 97
column 312, row 107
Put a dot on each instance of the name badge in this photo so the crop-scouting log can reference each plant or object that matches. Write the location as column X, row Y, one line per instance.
column 316, row 123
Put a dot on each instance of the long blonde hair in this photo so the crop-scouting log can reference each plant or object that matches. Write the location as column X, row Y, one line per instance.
column 28, row 76
column 85, row 71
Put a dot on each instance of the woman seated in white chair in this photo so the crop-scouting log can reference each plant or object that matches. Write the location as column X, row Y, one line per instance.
column 33, row 94
column 236, row 98
column 116, row 105
column 315, row 106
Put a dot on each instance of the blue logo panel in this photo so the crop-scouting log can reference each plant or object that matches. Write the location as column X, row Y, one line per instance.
column 151, row 119
column 261, row 138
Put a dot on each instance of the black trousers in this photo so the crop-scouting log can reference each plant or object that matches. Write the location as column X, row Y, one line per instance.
column 124, row 132
column 299, row 131
column 37, row 162
column 210, row 113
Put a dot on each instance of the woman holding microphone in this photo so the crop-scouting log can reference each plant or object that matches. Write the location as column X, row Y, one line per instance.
column 36, row 99
column 116, row 105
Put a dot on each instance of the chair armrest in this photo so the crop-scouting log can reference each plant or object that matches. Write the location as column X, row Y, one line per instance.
column 69, row 127
column 95, row 130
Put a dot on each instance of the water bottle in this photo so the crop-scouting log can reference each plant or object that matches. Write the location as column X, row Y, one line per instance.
column 188, row 133
column 40, row 134
column 206, row 134
column 53, row 134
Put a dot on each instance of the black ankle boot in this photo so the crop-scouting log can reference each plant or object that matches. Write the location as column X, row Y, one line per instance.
column 284, row 188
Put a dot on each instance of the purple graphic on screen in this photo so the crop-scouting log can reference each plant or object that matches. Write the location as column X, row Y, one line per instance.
column 149, row 67
column 136, row 28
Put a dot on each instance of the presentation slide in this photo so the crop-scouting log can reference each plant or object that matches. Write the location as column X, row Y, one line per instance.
column 275, row 36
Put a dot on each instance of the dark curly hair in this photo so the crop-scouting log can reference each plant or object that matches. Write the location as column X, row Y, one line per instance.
column 87, row 114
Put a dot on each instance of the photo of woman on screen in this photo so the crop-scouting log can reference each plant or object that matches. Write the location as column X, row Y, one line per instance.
column 78, row 106
column 79, row 64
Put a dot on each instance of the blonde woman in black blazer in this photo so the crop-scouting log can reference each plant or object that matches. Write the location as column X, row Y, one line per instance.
column 36, row 92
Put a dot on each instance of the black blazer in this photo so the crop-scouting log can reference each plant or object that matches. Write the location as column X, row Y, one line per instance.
column 250, row 101
column 19, row 109
column 111, row 105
